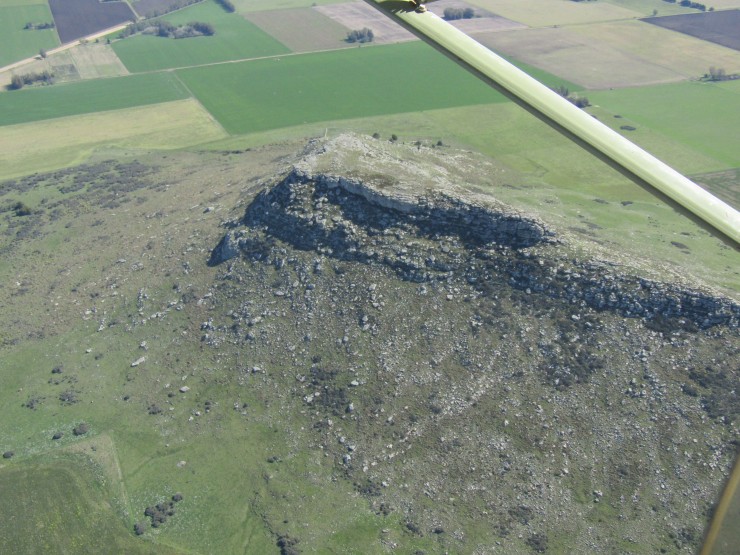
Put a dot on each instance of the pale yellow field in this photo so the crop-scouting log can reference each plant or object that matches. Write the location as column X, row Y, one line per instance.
column 579, row 58
column 541, row 13
column 684, row 54
column 57, row 143
column 94, row 60
column 724, row 4
column 84, row 61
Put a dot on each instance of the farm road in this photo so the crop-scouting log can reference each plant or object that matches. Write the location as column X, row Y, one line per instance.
column 63, row 47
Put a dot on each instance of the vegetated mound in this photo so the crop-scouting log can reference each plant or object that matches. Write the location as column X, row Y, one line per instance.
column 469, row 377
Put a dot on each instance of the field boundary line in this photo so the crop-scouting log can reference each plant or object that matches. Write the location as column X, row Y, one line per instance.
column 197, row 100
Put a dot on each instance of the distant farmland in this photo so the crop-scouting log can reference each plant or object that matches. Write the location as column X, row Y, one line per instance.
column 357, row 82
column 152, row 8
column 84, row 97
column 235, row 39
column 719, row 27
column 19, row 43
column 78, row 18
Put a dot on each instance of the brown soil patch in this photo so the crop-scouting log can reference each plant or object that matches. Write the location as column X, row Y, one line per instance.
column 356, row 15
column 301, row 30
column 583, row 60
column 718, row 27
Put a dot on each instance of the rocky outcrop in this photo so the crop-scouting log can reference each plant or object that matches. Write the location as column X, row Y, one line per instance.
column 438, row 236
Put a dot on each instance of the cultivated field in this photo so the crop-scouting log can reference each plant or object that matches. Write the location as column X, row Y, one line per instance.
column 542, row 13
column 52, row 144
column 269, row 94
column 235, row 39
column 584, row 60
column 683, row 54
column 614, row 54
column 484, row 21
column 247, row 6
column 301, row 29
column 718, row 27
column 646, row 7
column 96, row 60
column 357, row 15
column 83, row 97
column 78, row 18
column 19, row 43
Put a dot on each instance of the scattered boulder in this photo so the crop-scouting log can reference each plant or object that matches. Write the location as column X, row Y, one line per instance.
column 8, row 454
column 81, row 429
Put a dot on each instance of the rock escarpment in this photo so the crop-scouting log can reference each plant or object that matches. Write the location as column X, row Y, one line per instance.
column 439, row 236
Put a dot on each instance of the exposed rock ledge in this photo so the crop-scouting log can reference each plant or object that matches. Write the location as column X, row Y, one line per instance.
column 376, row 219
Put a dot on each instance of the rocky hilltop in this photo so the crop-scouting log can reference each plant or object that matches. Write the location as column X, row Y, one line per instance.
column 379, row 220
column 473, row 380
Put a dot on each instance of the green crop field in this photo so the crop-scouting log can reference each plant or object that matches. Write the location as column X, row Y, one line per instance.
column 84, row 97
column 235, row 39
column 268, row 94
column 702, row 116
column 18, row 43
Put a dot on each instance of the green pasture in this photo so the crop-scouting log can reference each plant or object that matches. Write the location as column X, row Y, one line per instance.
column 280, row 92
column 235, row 39
column 16, row 43
column 702, row 116
column 84, row 97
column 59, row 507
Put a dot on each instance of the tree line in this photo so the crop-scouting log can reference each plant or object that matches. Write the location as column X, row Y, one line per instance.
column 361, row 35
column 20, row 81
column 578, row 101
column 226, row 5
column 451, row 14
column 38, row 26
column 719, row 74
column 168, row 30
column 690, row 4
